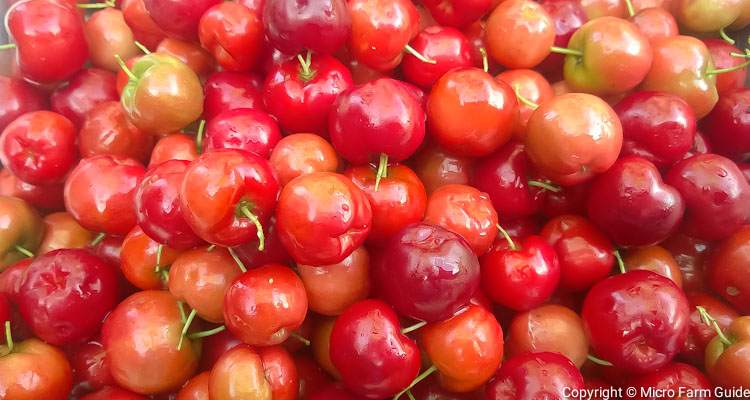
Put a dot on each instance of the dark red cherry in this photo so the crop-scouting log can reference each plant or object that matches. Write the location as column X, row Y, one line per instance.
column 728, row 125
column 446, row 46
column 458, row 13
column 685, row 380
column 178, row 18
column 567, row 16
column 244, row 129
column 321, row 26
column 533, row 376
column 86, row 89
column 18, row 97
column 226, row 91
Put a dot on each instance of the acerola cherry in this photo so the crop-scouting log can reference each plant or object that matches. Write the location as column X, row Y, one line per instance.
column 458, row 14
column 655, row 259
column 48, row 366
column 107, row 131
column 18, row 97
column 108, row 35
column 233, row 34
column 448, row 48
column 45, row 198
column 567, row 16
column 533, row 88
column 699, row 333
column 534, row 375
column 728, row 269
column 301, row 154
column 721, row 54
column 332, row 288
column 21, row 232
column 83, row 92
column 145, row 29
column 381, row 30
column 190, row 53
column 178, row 18
column 319, row 26
column 728, row 125
column 177, row 146
column 519, row 34
column 227, row 90
column 675, row 376
column 243, row 129
column 144, row 261
column 437, row 168
column 655, row 23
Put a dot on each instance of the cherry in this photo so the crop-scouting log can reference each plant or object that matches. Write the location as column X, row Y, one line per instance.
column 100, row 191
column 332, row 288
column 39, row 147
column 311, row 377
column 48, row 366
column 190, row 53
column 108, row 35
column 716, row 194
column 700, row 146
column 726, row 360
column 273, row 252
column 727, row 269
column 281, row 372
column 242, row 373
column 690, row 254
column 50, row 38
column 320, row 343
column 196, row 388
column 17, row 98
column 458, row 14
column 215, row 346
column 233, row 34
column 227, row 90
column 470, row 113
column 446, row 46
column 637, row 321
column 107, row 131
column 45, row 198
column 264, row 305
column 585, row 254
column 113, row 393
column 728, row 125
column 21, row 233
column 648, row 209
column 389, row 361
column 90, row 366
column 659, row 127
column 301, row 154
column 703, row 16
column 319, row 26
column 12, row 278
column 520, row 277
column 531, row 89
column 244, row 129
column 655, row 23
column 227, row 197
column 519, row 34
column 567, row 16
column 466, row 349
column 436, row 167
column 655, row 259
column 341, row 215
column 721, row 54
column 426, row 272
column 700, row 334
column 178, row 18
column 144, row 261
column 144, row 28
column 141, row 361
column 381, row 30
column 681, row 378
column 176, row 146
column 533, row 375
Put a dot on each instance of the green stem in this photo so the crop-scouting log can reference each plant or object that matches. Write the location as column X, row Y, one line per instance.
column 142, row 48
column 98, row 239
column 125, row 68
column 411, row 396
column 620, row 262
column 485, row 61
column 199, row 136
column 382, row 170
column 181, row 307
column 566, row 51
column 237, row 259
column 203, row 334
column 7, row 46
column 8, row 339
column 211, row 248
column 524, row 100
column 597, row 360
column 305, row 72
column 507, row 237
column 414, row 327
column 729, row 69
column 185, row 328
column 301, row 338
column 629, row 6
column 711, row 321
column 26, row 252
column 258, row 226
column 159, row 250
column 723, row 35
column 545, row 185
column 418, row 55
column 416, row 380
column 97, row 6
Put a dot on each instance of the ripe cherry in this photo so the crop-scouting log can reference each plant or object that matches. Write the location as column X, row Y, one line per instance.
column 243, row 129
column 519, row 34
column 300, row 154
column 177, row 18
column 447, row 47
column 319, row 26
column 728, row 125
column 533, row 375
column 107, row 131
column 233, row 34
column 227, row 90
column 381, row 30
column 83, row 92
column 727, row 269
column 18, row 97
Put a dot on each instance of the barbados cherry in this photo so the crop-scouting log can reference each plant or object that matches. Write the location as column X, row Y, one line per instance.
column 381, row 30
column 107, row 131
column 244, row 129
column 728, row 125
column 83, row 92
column 531, row 89
column 18, row 97
column 458, row 14
column 300, row 154
column 178, row 18
column 721, row 54
column 332, row 288
column 144, row 28
column 47, row 364
column 227, row 90
column 319, row 26
column 447, row 47
column 534, row 375
column 177, row 146
column 699, row 333
column 144, row 261
column 436, row 167
column 519, row 34
column 21, row 233
column 655, row 259
column 233, row 34
column 728, row 270
column 108, row 35
column 678, row 377
column 567, row 16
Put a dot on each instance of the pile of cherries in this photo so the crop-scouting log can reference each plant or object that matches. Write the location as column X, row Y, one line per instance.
column 374, row 199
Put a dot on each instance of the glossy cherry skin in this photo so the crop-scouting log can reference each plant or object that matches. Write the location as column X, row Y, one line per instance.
column 218, row 186
column 195, row 389
column 239, row 374
column 319, row 26
column 108, row 35
column 144, row 28
column 139, row 256
column 332, row 288
column 533, row 87
column 264, row 305
column 177, row 146
column 655, row 259
column 17, row 98
column 227, row 90
column 521, row 278
column 426, row 272
column 534, row 375
column 83, row 92
column 66, row 294
column 728, row 125
column 466, row 348
column 648, row 209
column 300, row 102
column 470, row 113
column 190, row 53
column 100, row 191
column 585, row 253
column 107, row 131
column 638, row 320
column 178, row 18
column 681, row 378
column 50, row 38
column 400, row 200
column 700, row 146
column 281, row 372
column 726, row 364
column 727, row 269
column 388, row 120
column 448, row 47
column 380, row 31
column 659, row 127
column 700, row 334
column 458, row 14
column 716, row 194
column 337, row 209
column 39, row 147
column 437, row 168
column 274, row 251
column 691, row 255
column 655, row 23
column 215, row 346
column 21, row 226
column 721, row 54
column 584, row 126
column 301, row 154
column 679, row 67
column 702, row 16
column 46, row 364
column 384, row 364
column 233, row 34
column 244, row 129
column 519, row 34
column 140, row 360
column 113, row 393
column 200, row 278
column 90, row 366
column 567, row 16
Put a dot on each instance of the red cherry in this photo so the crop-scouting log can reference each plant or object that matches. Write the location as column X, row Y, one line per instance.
column 90, row 366
column 534, row 375
column 233, row 34
column 227, row 90
column 678, row 377
column 178, row 18
column 83, row 92
column 319, row 26
column 17, row 98
column 728, row 125
column 381, row 30
column 447, row 47
column 107, row 131
column 243, row 129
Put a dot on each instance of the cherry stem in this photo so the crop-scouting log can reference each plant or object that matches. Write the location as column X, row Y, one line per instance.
column 620, row 262
column 416, row 380
column 629, row 6
column 545, row 186
column 24, row 251
column 98, row 239
column 199, row 136
column 7, row 46
column 237, row 259
column 8, row 339
column 566, row 51
column 305, row 72
column 411, row 396
column 97, row 6
column 185, row 328
column 414, row 327
column 125, row 68
column 159, row 250
column 738, row 55
column 180, row 307
column 507, row 237
column 729, row 69
column 164, row 275
column 301, row 338
column 524, row 100
column 211, row 248
column 382, row 170
column 599, row 361
column 723, row 35
column 203, row 334
column 418, row 55
column 711, row 321
column 485, row 61
column 258, row 227
column 141, row 47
